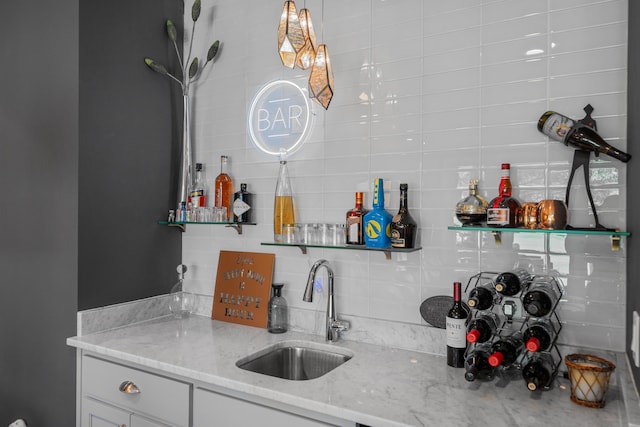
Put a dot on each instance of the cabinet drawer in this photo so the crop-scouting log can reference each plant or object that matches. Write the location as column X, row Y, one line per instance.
column 159, row 397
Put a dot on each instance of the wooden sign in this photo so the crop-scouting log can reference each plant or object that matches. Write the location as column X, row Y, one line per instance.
column 243, row 288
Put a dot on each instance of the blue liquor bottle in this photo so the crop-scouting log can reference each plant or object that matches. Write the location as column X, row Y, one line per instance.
column 377, row 223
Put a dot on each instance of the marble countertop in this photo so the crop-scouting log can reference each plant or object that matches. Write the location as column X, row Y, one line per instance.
column 379, row 386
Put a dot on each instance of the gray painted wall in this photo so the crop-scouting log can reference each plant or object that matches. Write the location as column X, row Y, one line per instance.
column 633, row 175
column 39, row 216
column 129, row 147
column 85, row 173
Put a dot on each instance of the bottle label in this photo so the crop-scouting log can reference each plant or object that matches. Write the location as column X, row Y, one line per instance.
column 397, row 241
column 557, row 126
column 240, row 207
column 353, row 232
column 456, row 332
column 197, row 198
column 498, row 216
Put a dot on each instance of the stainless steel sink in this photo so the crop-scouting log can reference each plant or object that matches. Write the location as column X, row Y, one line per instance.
column 295, row 360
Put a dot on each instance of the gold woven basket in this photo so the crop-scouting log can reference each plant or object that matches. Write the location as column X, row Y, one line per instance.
column 589, row 377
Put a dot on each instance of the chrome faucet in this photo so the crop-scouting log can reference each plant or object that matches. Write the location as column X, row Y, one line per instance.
column 334, row 326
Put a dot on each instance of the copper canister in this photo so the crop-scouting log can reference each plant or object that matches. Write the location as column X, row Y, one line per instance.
column 552, row 215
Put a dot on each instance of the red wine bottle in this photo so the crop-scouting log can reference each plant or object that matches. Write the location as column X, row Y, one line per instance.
column 456, row 327
column 511, row 282
column 482, row 328
column 538, row 371
column 477, row 365
column 506, row 350
column 569, row 132
column 541, row 296
column 482, row 297
column 539, row 335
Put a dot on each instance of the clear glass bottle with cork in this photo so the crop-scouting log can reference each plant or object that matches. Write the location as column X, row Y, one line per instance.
column 278, row 317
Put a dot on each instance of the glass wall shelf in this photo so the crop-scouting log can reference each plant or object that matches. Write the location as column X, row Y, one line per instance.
column 387, row 251
column 496, row 231
column 182, row 225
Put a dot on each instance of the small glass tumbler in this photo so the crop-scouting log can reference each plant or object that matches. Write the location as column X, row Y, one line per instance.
column 339, row 234
column 288, row 233
column 219, row 214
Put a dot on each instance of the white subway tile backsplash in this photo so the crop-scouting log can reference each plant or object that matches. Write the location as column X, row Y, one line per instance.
column 430, row 93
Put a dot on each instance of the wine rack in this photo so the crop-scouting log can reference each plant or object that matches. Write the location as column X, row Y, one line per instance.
column 514, row 321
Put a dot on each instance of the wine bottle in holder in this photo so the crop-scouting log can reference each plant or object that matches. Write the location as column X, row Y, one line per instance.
column 482, row 327
column 541, row 296
column 540, row 334
column 482, row 297
column 477, row 365
column 511, row 282
column 539, row 370
column 506, row 350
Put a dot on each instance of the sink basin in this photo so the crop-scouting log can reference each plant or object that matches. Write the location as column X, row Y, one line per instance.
column 295, row 360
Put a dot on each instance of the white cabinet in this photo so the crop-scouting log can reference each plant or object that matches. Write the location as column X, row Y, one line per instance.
column 117, row 395
column 210, row 407
column 112, row 394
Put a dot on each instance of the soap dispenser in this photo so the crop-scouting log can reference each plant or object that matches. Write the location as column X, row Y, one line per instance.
column 278, row 318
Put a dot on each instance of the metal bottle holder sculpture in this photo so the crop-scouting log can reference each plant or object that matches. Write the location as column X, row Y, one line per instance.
column 581, row 159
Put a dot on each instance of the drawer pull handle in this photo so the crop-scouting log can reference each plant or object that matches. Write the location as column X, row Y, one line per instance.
column 128, row 387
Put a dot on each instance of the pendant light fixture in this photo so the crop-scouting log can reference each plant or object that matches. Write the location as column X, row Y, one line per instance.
column 291, row 39
column 307, row 55
column 321, row 76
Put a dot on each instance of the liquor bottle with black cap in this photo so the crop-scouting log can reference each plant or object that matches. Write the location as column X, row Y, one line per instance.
column 403, row 226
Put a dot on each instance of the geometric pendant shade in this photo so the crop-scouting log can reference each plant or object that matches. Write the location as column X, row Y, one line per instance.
column 307, row 54
column 291, row 38
column 321, row 77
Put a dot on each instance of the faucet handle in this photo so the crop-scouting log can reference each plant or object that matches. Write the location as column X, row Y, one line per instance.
column 335, row 327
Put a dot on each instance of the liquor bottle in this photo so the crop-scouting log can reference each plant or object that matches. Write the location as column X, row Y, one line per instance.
column 506, row 350
column 539, row 335
column 472, row 210
column 242, row 205
column 561, row 128
column 224, row 187
column 538, row 371
column 283, row 206
column 541, row 296
column 511, row 282
column 355, row 222
column 377, row 222
column 504, row 210
column 456, row 326
column 482, row 327
column 403, row 227
column 482, row 297
column 197, row 193
column 477, row 365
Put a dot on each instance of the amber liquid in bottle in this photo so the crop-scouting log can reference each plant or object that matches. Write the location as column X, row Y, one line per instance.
column 283, row 206
column 355, row 229
column 403, row 226
column 504, row 210
column 223, row 196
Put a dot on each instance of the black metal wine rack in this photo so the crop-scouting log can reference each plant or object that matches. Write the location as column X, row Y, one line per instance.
column 513, row 319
